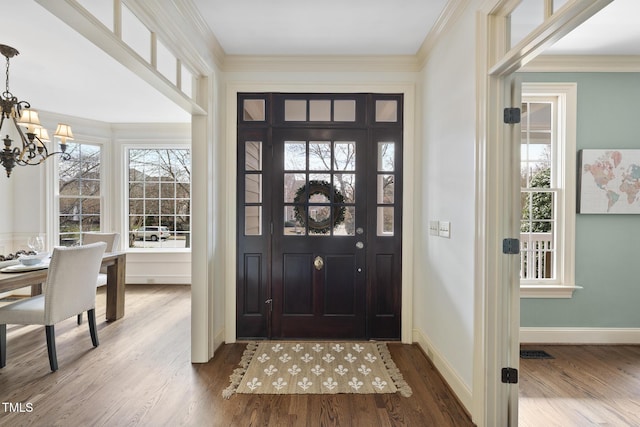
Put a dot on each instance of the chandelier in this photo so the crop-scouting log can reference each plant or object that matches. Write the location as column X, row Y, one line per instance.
column 31, row 150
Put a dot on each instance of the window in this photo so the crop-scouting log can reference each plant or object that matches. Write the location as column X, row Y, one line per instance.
column 547, row 174
column 159, row 198
column 80, row 193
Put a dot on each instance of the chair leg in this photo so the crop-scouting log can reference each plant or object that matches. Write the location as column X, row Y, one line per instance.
column 51, row 347
column 3, row 345
column 80, row 319
column 91, row 315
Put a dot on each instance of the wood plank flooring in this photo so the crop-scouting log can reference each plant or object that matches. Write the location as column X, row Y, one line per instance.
column 141, row 375
column 591, row 385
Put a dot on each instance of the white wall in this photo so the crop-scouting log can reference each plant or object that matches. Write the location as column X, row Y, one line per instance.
column 445, row 183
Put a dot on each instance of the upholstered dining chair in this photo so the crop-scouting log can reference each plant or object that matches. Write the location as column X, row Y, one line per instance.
column 68, row 290
column 111, row 239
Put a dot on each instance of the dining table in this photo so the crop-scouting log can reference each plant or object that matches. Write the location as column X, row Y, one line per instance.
column 115, row 262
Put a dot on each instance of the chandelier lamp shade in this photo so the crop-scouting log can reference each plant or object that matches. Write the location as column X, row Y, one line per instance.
column 19, row 122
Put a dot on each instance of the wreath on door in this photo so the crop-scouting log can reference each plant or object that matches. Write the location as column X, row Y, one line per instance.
column 325, row 189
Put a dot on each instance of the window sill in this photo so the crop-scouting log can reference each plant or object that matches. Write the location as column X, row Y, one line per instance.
column 548, row 291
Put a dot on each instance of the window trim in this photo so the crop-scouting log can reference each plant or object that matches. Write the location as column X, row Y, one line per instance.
column 565, row 95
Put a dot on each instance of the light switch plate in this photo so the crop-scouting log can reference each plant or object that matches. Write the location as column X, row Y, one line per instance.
column 444, row 229
column 434, row 226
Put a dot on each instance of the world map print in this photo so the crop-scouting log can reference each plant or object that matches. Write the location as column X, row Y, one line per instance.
column 609, row 181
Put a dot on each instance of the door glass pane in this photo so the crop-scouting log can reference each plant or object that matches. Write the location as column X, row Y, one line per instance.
column 292, row 183
column 385, row 221
column 386, row 156
column 319, row 156
column 345, row 183
column 293, row 227
column 344, row 110
column 345, row 156
column 253, row 155
column 253, row 110
column 346, row 227
column 386, row 111
column 295, row 110
column 253, row 220
column 320, row 110
column 253, row 188
column 295, row 155
column 386, row 189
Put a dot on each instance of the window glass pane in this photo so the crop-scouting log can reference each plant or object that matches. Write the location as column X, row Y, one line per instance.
column 292, row 226
column 386, row 156
column 347, row 227
column 386, row 111
column 345, row 156
column 320, row 110
column 136, row 34
column 319, row 156
column 253, row 220
column 253, row 188
column 186, row 81
column 295, row 156
column 557, row 4
column 344, row 110
column 166, row 62
column 293, row 183
column 295, row 110
column 253, row 110
column 528, row 15
column 385, row 221
column 253, row 155
column 386, row 189
column 345, row 183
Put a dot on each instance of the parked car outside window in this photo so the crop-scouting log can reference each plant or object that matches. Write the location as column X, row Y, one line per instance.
column 152, row 233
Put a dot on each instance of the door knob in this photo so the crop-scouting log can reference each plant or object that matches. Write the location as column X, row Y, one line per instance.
column 318, row 263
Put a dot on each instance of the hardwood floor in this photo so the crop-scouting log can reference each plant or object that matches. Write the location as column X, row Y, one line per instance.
column 582, row 386
column 141, row 375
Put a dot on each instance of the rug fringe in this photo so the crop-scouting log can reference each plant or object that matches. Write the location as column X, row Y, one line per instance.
column 236, row 377
column 394, row 372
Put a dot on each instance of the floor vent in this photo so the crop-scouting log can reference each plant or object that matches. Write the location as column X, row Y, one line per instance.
column 535, row 354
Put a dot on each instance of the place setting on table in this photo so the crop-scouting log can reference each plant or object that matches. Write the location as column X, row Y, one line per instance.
column 23, row 261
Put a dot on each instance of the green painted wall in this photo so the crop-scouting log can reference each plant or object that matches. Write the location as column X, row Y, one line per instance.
column 607, row 246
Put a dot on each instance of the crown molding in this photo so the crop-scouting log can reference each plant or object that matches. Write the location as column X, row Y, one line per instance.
column 321, row 63
column 583, row 64
column 450, row 14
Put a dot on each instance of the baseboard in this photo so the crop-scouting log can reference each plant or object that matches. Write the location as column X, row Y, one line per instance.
column 161, row 280
column 459, row 388
column 530, row 335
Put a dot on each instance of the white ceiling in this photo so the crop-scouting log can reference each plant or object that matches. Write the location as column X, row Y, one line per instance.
column 57, row 70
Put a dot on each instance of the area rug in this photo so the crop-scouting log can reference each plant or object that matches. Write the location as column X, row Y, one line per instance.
column 279, row 367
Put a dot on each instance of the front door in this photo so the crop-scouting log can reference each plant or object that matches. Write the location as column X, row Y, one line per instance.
column 319, row 237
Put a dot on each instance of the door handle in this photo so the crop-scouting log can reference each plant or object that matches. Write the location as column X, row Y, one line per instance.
column 318, row 263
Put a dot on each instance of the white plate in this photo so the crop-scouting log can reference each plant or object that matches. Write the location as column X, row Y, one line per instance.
column 19, row 268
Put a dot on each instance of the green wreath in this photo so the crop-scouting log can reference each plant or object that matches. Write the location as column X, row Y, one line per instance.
column 324, row 188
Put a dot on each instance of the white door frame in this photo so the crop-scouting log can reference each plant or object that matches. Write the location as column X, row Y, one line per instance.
column 496, row 280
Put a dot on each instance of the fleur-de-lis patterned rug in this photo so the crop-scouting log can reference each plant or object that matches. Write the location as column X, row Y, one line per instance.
column 279, row 367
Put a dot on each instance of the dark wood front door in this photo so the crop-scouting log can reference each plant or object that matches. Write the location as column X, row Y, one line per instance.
column 319, row 238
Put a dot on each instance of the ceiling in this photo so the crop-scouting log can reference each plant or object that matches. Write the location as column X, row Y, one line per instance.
column 58, row 70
